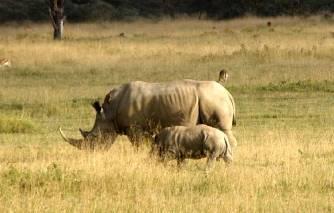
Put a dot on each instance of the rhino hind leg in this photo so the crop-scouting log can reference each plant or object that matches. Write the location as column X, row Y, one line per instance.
column 231, row 138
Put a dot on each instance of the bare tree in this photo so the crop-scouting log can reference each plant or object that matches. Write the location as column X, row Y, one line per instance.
column 56, row 11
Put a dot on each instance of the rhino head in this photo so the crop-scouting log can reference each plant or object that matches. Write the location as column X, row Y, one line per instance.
column 101, row 136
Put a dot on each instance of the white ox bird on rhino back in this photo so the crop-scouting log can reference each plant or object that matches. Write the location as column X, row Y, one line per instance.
column 195, row 142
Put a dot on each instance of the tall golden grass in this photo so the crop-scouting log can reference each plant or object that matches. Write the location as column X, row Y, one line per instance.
column 280, row 76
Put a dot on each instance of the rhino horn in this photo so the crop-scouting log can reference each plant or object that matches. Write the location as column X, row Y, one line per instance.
column 83, row 133
column 74, row 142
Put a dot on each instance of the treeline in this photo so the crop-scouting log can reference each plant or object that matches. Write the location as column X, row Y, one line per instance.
column 84, row 10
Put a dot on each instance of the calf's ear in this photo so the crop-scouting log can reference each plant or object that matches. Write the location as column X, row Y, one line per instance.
column 97, row 106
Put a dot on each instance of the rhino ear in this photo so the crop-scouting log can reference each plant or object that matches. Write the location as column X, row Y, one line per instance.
column 97, row 106
column 110, row 95
column 107, row 98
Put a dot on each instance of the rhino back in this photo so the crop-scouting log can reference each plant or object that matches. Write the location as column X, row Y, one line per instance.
column 146, row 104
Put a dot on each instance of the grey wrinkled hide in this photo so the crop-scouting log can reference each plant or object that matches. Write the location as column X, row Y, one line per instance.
column 195, row 142
column 187, row 102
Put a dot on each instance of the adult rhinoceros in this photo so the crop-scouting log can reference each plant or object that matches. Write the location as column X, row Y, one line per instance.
column 139, row 107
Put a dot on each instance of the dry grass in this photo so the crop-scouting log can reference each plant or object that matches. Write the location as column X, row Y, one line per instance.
column 281, row 77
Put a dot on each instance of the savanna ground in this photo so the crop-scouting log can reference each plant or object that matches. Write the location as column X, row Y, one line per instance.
column 282, row 79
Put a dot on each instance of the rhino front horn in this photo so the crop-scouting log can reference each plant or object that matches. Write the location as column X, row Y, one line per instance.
column 74, row 142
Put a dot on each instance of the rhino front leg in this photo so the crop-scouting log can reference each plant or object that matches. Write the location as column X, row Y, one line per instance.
column 135, row 136
column 181, row 162
column 135, row 141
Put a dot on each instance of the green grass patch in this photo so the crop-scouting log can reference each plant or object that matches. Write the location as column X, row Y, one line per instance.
column 286, row 86
column 16, row 125
column 11, row 106
column 300, row 86
column 27, row 181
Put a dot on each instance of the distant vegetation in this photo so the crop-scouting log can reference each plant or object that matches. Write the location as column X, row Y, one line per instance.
column 84, row 10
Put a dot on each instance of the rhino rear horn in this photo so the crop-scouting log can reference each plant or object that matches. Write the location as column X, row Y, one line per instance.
column 97, row 106
column 83, row 133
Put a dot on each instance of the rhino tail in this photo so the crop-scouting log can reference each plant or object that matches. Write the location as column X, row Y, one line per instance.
column 234, row 121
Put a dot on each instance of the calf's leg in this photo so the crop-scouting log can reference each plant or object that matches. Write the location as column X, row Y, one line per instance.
column 212, row 157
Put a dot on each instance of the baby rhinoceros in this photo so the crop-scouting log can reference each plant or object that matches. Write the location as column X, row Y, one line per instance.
column 194, row 142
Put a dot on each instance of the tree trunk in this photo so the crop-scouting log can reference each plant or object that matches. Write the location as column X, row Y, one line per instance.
column 59, row 31
column 56, row 11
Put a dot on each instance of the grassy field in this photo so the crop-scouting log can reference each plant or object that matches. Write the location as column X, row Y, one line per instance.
column 282, row 79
